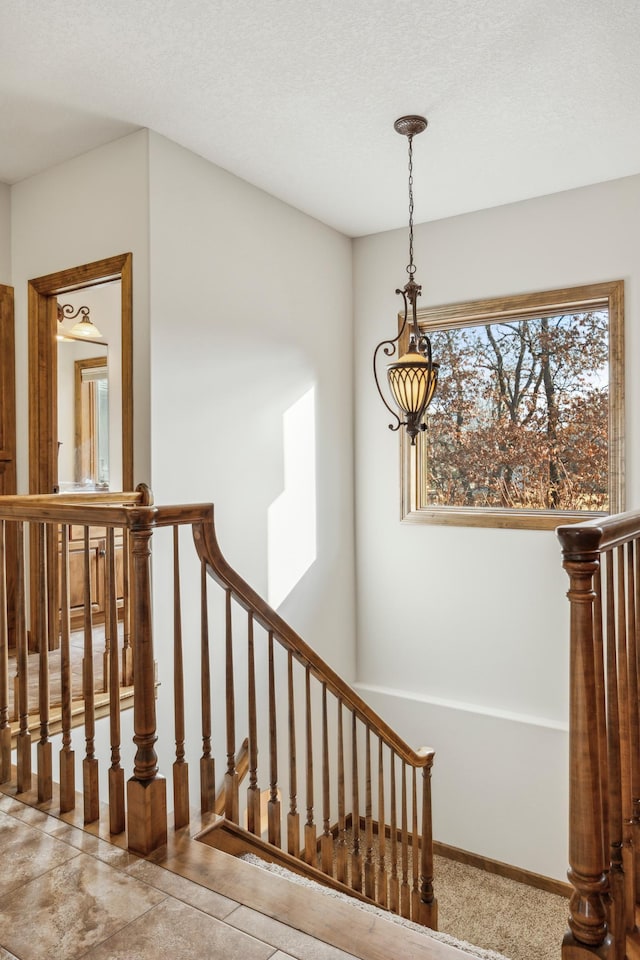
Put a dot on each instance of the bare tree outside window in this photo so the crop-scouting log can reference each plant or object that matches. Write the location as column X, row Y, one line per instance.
column 526, row 426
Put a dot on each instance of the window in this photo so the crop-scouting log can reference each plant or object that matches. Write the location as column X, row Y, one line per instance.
column 526, row 427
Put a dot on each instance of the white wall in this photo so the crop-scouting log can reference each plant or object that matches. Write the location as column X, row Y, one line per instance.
column 5, row 233
column 86, row 209
column 462, row 632
column 251, row 308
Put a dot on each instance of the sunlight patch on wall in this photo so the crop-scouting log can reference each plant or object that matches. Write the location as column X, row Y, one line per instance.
column 291, row 518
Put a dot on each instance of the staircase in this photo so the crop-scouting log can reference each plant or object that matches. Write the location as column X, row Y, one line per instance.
column 331, row 788
column 318, row 760
column 288, row 918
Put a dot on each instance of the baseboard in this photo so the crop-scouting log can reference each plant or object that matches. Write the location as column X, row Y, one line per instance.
column 518, row 874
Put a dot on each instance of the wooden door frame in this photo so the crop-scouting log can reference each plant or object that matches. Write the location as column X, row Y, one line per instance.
column 8, row 472
column 8, row 476
column 43, row 374
column 43, row 401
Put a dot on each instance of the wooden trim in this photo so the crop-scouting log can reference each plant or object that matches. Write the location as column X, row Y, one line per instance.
column 497, row 867
column 7, row 392
column 519, row 874
column 241, row 768
column 234, row 840
column 43, row 399
column 609, row 294
column 126, row 347
column 8, row 473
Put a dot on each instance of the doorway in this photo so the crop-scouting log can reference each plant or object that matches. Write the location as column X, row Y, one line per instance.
column 43, row 355
column 43, row 293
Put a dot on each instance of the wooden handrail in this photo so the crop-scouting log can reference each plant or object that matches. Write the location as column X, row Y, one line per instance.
column 84, row 508
column 603, row 533
column 209, row 550
column 227, row 658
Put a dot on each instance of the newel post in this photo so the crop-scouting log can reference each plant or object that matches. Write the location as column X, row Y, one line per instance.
column 147, row 789
column 588, row 935
column 428, row 908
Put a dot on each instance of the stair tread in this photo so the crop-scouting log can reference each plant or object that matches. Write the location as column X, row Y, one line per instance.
column 361, row 934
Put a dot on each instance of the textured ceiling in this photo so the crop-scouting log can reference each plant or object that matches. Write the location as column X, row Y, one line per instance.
column 524, row 97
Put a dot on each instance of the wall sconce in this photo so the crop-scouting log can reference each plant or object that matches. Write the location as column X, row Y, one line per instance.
column 83, row 328
column 414, row 376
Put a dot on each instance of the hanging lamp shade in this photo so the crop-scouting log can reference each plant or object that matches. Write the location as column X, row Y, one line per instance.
column 413, row 380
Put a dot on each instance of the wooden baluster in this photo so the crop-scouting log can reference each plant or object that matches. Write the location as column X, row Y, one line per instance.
column 405, row 889
column 428, row 913
column 342, row 848
column 600, row 687
column 231, row 802
column 326, row 841
column 180, row 765
column 53, row 587
column 67, row 755
column 588, row 915
column 369, row 870
column 5, row 725
column 310, row 833
column 44, row 752
column 207, row 763
column 146, row 789
column 382, row 832
column 273, row 807
column 116, row 772
column 624, row 705
column 90, row 763
column 106, row 588
column 634, row 716
column 24, row 737
column 127, row 649
column 293, row 817
column 614, row 793
column 394, row 882
column 415, row 848
column 636, row 692
column 356, row 856
column 254, row 824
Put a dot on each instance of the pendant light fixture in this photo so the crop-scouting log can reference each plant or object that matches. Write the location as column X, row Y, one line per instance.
column 413, row 377
column 84, row 328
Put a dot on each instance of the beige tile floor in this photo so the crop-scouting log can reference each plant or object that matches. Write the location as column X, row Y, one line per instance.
column 66, row 894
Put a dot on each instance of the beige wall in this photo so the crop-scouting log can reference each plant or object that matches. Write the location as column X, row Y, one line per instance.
column 462, row 633
column 251, row 308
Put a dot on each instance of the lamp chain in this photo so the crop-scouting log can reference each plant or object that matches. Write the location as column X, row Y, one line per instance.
column 411, row 268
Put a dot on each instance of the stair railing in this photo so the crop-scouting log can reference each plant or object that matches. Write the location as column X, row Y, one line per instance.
column 351, row 800
column 602, row 559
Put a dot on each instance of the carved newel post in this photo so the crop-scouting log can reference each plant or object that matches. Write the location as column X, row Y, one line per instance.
column 146, row 790
column 588, row 935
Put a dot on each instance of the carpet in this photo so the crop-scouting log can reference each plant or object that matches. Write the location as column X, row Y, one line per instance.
column 479, row 952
